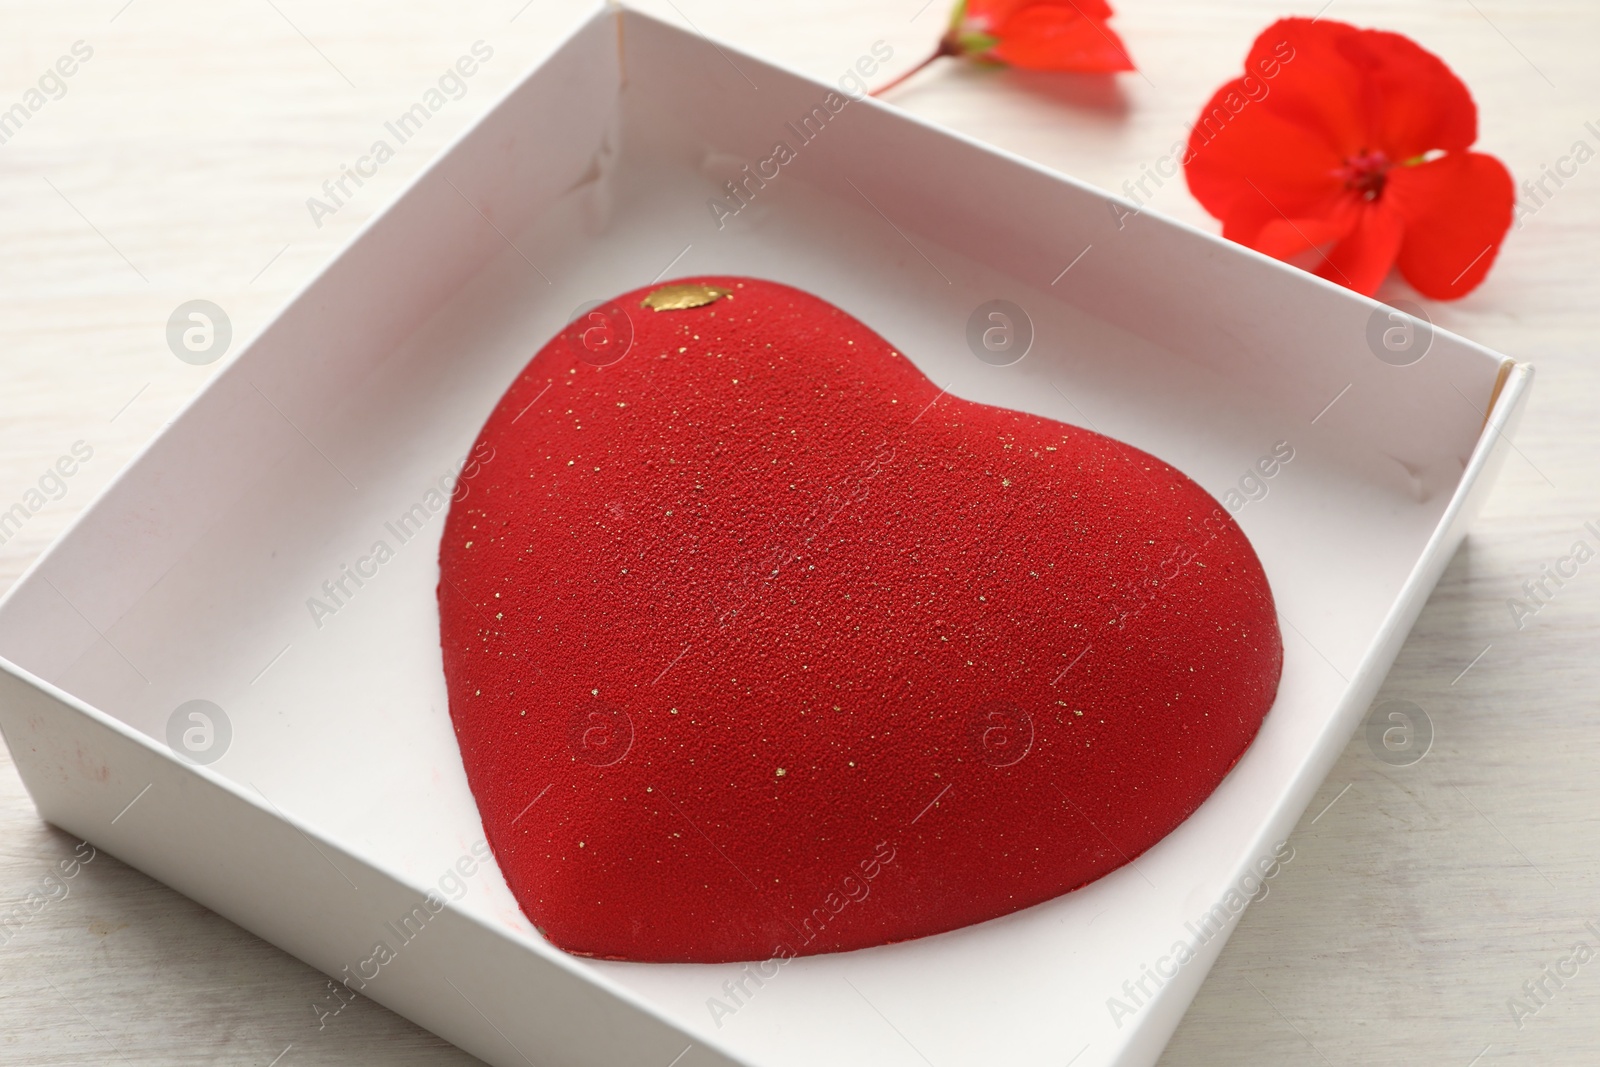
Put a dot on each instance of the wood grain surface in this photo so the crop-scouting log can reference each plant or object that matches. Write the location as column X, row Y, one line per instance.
column 175, row 164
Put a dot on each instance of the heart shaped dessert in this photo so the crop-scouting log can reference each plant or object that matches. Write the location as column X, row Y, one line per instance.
column 759, row 644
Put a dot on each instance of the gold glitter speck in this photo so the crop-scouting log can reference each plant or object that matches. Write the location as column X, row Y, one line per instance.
column 681, row 297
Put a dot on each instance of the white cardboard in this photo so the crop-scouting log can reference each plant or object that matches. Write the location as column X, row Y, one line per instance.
column 342, row 800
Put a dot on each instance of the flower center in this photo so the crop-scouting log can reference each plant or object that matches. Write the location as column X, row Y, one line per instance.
column 1365, row 172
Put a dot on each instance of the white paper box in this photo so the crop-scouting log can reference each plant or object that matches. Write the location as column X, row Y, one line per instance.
column 341, row 799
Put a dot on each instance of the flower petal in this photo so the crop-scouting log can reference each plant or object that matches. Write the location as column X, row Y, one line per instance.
column 1457, row 211
column 1283, row 236
column 1414, row 103
column 1302, row 72
column 993, row 13
column 1239, row 153
column 1363, row 258
column 1060, row 37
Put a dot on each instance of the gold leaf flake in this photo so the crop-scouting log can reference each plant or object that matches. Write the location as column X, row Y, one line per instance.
column 680, row 297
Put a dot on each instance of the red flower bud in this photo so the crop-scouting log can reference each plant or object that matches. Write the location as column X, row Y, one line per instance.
column 1055, row 35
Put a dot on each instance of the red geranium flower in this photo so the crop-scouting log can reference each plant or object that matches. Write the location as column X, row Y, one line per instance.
column 1057, row 35
column 1355, row 143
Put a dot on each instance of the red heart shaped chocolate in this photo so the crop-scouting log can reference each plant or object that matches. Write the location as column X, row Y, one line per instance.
column 759, row 644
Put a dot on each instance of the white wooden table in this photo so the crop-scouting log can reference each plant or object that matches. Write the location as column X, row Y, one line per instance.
column 176, row 165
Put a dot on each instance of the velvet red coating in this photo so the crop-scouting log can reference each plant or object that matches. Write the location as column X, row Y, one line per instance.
column 1354, row 143
column 760, row 644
